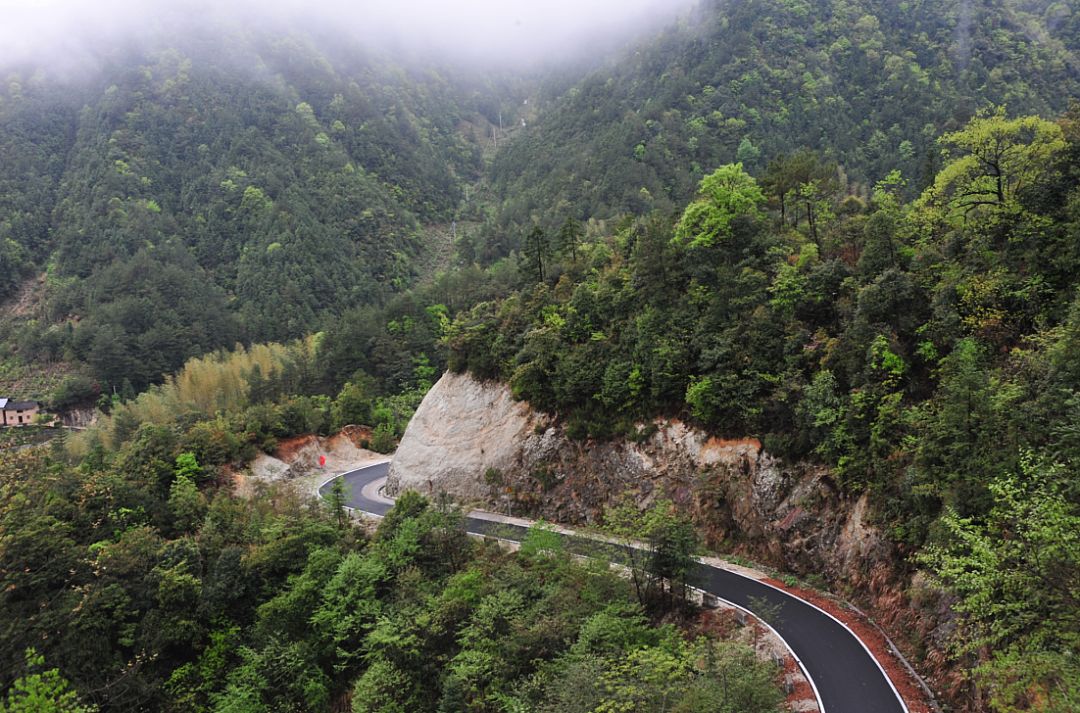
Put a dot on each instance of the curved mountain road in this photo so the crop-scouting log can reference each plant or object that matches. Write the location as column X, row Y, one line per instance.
column 843, row 672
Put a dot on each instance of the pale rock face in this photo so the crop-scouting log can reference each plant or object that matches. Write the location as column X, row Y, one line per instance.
column 465, row 427
column 79, row 417
column 462, row 428
column 269, row 468
column 788, row 513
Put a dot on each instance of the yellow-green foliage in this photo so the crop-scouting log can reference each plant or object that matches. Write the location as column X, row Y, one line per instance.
column 991, row 160
column 215, row 383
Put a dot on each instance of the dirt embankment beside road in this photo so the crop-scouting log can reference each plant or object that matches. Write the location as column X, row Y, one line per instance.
column 296, row 460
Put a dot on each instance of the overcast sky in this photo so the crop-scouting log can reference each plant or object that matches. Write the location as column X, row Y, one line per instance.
column 474, row 29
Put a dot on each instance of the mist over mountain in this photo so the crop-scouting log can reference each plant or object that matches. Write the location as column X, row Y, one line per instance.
column 67, row 35
column 295, row 185
column 869, row 84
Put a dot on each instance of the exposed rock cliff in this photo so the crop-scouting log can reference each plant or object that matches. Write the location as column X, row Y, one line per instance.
column 470, row 439
column 462, row 428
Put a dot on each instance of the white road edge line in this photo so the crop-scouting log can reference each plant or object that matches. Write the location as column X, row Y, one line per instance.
column 529, row 523
column 794, row 656
column 806, row 674
column 870, row 653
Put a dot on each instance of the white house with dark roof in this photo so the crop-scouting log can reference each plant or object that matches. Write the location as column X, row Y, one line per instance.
column 18, row 413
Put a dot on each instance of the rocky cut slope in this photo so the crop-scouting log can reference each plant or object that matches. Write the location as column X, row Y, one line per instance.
column 471, row 440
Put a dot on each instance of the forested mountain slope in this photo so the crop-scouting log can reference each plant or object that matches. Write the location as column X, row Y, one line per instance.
column 926, row 351
column 869, row 83
column 245, row 185
column 183, row 200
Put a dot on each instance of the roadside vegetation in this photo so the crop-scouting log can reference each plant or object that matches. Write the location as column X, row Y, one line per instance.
column 133, row 579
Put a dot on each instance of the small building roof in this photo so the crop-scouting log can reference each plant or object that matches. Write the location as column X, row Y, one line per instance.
column 9, row 405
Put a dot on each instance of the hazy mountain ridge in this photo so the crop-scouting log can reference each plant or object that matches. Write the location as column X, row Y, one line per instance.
column 871, row 84
column 286, row 192
column 288, row 171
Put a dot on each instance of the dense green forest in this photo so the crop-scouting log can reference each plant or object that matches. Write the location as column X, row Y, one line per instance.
column 870, row 84
column 252, row 186
column 180, row 203
column 135, row 580
column 848, row 227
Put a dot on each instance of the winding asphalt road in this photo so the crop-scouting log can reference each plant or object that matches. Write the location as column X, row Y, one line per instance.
column 844, row 674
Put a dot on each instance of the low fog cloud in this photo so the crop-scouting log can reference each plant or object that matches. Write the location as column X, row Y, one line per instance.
column 512, row 31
